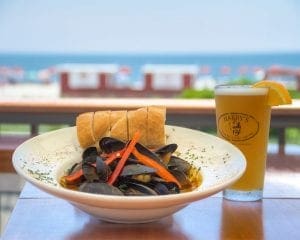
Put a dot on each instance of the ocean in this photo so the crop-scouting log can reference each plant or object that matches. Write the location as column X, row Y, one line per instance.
column 35, row 62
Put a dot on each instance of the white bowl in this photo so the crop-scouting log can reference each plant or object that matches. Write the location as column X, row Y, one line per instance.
column 43, row 159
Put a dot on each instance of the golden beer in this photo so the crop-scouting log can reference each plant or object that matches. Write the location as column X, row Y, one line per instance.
column 243, row 118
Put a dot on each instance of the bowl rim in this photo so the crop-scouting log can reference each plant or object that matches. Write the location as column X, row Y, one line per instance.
column 129, row 202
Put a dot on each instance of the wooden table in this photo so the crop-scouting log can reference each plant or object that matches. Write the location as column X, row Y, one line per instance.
column 38, row 215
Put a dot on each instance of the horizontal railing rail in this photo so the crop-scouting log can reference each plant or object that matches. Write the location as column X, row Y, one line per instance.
column 192, row 113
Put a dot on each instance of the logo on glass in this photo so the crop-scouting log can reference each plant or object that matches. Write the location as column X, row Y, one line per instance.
column 237, row 126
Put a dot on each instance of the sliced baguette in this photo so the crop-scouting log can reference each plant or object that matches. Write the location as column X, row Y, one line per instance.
column 156, row 136
column 115, row 116
column 85, row 133
column 150, row 121
column 101, row 125
column 137, row 121
column 118, row 125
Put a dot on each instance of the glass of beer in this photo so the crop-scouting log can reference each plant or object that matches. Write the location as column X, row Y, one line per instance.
column 243, row 118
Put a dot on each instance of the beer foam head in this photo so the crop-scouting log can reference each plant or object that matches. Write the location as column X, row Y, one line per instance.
column 239, row 90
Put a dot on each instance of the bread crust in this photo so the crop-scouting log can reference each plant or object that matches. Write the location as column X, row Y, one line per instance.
column 85, row 133
column 137, row 121
column 150, row 121
column 156, row 126
column 101, row 124
column 118, row 125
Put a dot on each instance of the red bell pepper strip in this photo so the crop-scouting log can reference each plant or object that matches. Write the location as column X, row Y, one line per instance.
column 122, row 161
column 113, row 156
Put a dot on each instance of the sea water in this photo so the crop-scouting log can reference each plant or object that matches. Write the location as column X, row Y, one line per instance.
column 38, row 61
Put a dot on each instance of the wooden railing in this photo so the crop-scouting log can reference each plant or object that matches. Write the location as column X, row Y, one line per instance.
column 196, row 114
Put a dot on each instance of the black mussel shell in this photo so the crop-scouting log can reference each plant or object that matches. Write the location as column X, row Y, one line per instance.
column 182, row 178
column 90, row 159
column 162, row 187
column 103, row 170
column 90, row 172
column 145, row 151
column 169, row 148
column 109, row 144
column 179, row 164
column 166, row 152
column 99, row 188
column 136, row 169
column 90, row 151
column 134, row 187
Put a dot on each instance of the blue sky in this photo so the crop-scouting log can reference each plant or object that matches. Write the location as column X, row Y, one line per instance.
column 131, row 26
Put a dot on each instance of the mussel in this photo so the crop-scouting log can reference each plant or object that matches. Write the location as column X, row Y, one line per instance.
column 179, row 164
column 136, row 169
column 90, row 151
column 109, row 144
column 99, row 188
column 95, row 172
column 166, row 152
column 145, row 151
column 145, row 172
column 135, row 187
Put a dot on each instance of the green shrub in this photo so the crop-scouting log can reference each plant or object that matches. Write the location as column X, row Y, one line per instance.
column 292, row 135
column 295, row 94
column 241, row 81
column 193, row 93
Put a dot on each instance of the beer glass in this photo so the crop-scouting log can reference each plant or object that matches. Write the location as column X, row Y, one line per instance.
column 243, row 118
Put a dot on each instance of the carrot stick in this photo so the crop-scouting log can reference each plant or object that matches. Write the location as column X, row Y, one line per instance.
column 160, row 170
column 74, row 177
column 124, row 158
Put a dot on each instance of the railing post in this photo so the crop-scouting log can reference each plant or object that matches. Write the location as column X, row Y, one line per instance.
column 34, row 129
column 281, row 140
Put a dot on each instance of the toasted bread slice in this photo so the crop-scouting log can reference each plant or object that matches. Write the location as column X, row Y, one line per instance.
column 85, row 133
column 156, row 136
column 115, row 116
column 118, row 125
column 137, row 121
column 101, row 124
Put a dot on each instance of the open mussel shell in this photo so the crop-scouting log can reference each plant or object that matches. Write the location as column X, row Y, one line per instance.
column 179, row 164
column 133, row 187
column 109, row 144
column 166, row 152
column 169, row 148
column 137, row 188
column 182, row 178
column 103, row 171
column 145, row 151
column 172, row 187
column 136, row 169
column 91, row 173
column 161, row 188
column 99, row 188
column 90, row 151
column 90, row 159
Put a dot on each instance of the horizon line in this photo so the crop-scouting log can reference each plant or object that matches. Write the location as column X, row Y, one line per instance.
column 148, row 53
